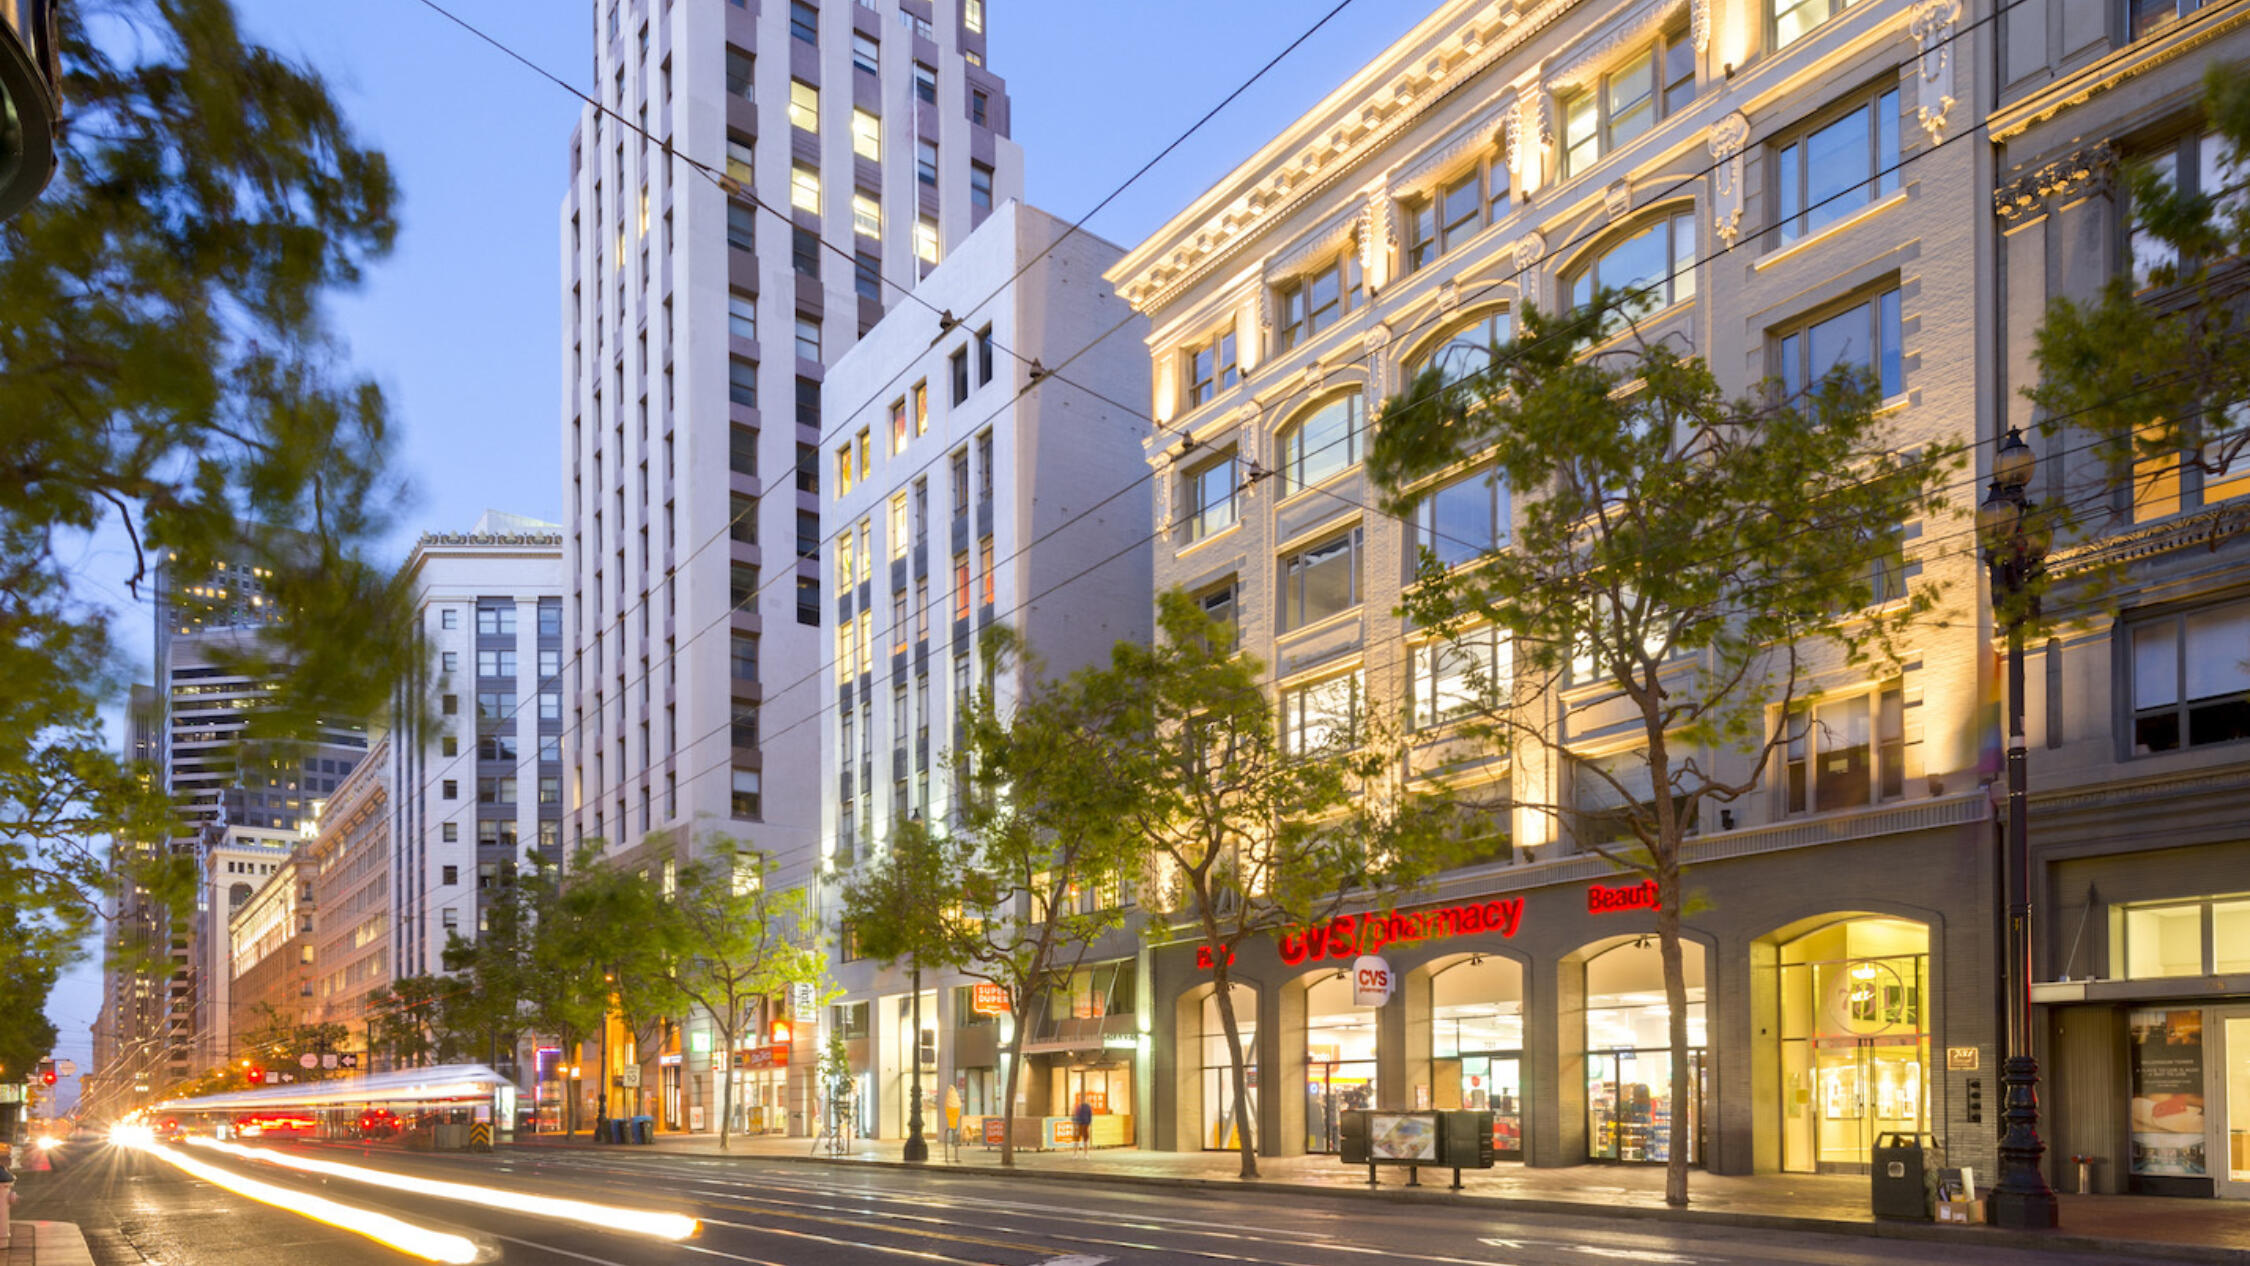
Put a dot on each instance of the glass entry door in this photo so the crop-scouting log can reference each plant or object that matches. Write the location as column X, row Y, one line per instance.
column 1330, row 1090
column 1865, row 1087
column 1495, row 1082
column 2234, row 1092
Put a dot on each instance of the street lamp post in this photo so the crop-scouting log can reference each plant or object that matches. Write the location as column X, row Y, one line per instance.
column 917, row 1147
column 2015, row 544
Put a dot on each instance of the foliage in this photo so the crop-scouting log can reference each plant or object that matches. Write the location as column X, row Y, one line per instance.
column 2156, row 381
column 482, row 1009
column 1247, row 837
column 745, row 942
column 37, row 956
column 1038, row 856
column 406, row 1022
column 1682, row 558
column 170, row 377
column 276, row 1041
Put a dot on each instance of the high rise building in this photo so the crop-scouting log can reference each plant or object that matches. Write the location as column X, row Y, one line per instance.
column 479, row 788
column 349, row 863
column 969, row 495
column 859, row 142
column 128, row 1033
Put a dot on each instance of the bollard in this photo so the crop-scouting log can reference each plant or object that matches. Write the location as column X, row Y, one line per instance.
column 2086, row 1173
column 7, row 1198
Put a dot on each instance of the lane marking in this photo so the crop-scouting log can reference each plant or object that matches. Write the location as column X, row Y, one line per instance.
column 418, row 1241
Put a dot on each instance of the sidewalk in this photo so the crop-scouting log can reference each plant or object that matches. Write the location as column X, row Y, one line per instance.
column 2190, row 1230
column 45, row 1244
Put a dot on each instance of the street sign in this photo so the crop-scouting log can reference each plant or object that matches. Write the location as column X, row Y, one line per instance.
column 630, row 1076
column 329, row 1060
column 66, row 1068
column 349, row 1059
column 803, row 1004
column 308, row 1060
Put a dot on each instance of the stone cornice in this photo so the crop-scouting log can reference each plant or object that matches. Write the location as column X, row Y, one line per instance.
column 1621, row 27
column 2077, row 172
column 2209, row 528
column 2125, row 64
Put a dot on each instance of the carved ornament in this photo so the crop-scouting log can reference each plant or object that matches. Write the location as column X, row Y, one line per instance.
column 2077, row 172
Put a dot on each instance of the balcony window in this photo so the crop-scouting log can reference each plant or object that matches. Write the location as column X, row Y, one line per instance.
column 1864, row 336
column 804, row 106
column 1654, row 267
column 1316, row 300
column 1210, row 494
column 1837, row 168
column 867, row 135
column 1846, row 752
column 2191, row 679
column 1449, row 680
column 1320, row 581
column 1322, row 443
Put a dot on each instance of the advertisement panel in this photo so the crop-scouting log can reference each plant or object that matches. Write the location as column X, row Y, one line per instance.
column 2167, row 1118
column 1400, row 1136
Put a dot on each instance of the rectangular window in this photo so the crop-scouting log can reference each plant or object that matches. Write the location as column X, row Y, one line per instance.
column 742, row 648
column 1321, row 444
column 739, row 66
column 804, row 106
column 742, row 519
column 980, row 109
column 925, row 162
column 1449, row 680
column 1845, row 753
column 867, row 53
column 742, row 450
column 1208, row 493
column 867, row 275
column 926, row 241
column 984, row 355
column 898, row 426
column 1462, row 521
column 742, row 222
column 804, row 21
column 741, row 158
column 961, row 586
column 922, row 408
column 1321, row 717
column 804, row 189
column 925, row 83
column 958, row 363
column 1219, row 607
column 808, row 407
column 1212, row 368
column 1837, row 168
column 742, row 585
column 1460, row 211
column 2195, row 164
column 808, row 599
column 742, row 382
column 1313, row 302
column 1793, row 18
column 867, row 135
column 742, row 727
column 985, row 568
column 1865, row 336
column 1320, row 581
column 972, row 16
column 2204, row 936
column 980, row 186
column 742, row 315
column 1628, row 100
column 808, row 534
column 808, row 337
column 2191, row 679
column 843, row 471
column 746, row 802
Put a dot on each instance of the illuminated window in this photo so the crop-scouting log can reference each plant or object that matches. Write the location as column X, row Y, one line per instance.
column 972, row 16
column 1793, row 18
column 1211, row 368
column 898, row 425
column 1320, row 717
column 1316, row 300
column 804, row 106
column 1449, row 680
column 922, row 408
column 867, row 135
column 867, row 214
column 740, row 157
column 1322, row 443
column 1845, row 752
column 2201, row 936
column 1208, row 495
column 926, row 241
column 1839, row 167
column 804, row 188
column 1628, row 100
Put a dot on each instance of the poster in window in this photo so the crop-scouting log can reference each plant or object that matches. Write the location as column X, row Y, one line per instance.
column 2167, row 1052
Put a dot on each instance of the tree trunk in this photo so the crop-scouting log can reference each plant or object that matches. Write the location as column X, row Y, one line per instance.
column 1668, row 899
column 726, row 1090
column 1008, row 1084
column 1248, row 1127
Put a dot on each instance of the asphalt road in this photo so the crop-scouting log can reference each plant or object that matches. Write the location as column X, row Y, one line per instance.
column 139, row 1210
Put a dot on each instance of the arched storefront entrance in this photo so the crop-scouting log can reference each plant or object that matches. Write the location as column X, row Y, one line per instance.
column 1221, row 1117
column 1630, row 1098
column 1339, row 1058
column 1476, row 1043
column 1851, row 1019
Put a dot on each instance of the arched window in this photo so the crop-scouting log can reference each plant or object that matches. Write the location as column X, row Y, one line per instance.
column 238, row 894
column 1321, row 443
column 1465, row 350
column 1655, row 265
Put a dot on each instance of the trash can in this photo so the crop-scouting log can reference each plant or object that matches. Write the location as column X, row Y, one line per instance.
column 644, row 1129
column 1902, row 1177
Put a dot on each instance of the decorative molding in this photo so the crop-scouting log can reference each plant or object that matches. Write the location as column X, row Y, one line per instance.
column 1316, row 373
column 1449, row 294
column 1699, row 24
column 2131, row 62
column 1308, row 251
column 2205, row 529
column 1617, row 198
column 1479, row 133
column 1625, row 26
column 1529, row 249
column 1729, row 137
column 1932, row 27
column 1378, row 336
column 2080, row 171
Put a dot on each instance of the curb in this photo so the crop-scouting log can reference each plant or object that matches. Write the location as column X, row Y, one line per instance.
column 1916, row 1232
column 59, row 1244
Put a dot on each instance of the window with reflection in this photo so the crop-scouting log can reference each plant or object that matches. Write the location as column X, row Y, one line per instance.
column 1837, row 168
column 1462, row 521
column 1211, row 368
column 1320, row 580
column 1793, row 18
column 1654, row 266
column 1322, row 443
column 1864, row 336
column 1320, row 297
column 1628, row 100
column 1466, row 350
column 1209, row 492
column 1319, row 717
column 1452, row 678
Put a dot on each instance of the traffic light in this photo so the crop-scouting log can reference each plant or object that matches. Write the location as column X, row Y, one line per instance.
column 1976, row 1101
column 256, row 1076
column 46, row 1072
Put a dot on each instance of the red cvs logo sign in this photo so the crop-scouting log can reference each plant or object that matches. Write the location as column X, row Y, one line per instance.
column 1371, row 981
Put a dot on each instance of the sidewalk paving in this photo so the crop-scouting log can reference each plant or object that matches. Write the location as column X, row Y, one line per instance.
column 2194, row 1230
column 45, row 1244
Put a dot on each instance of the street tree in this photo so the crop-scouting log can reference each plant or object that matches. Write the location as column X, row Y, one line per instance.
column 172, row 385
column 602, row 939
column 2150, row 376
column 406, row 1021
column 1032, row 876
column 1248, row 832
column 1690, row 558
column 39, row 950
column 483, row 1007
column 746, row 942
column 279, row 1042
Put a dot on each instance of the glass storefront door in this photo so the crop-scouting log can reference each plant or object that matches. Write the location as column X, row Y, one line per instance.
column 1339, row 1060
column 1854, row 1042
column 1476, row 1044
column 1629, row 1105
column 1222, row 1116
column 2234, row 1086
column 1494, row 1082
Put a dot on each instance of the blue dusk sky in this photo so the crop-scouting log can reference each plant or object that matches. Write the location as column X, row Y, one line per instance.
column 461, row 324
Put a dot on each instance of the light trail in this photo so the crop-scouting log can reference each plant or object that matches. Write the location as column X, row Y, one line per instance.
column 435, row 1246
column 664, row 1226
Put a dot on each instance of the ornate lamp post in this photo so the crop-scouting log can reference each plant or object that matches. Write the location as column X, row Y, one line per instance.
column 917, row 1147
column 2015, row 542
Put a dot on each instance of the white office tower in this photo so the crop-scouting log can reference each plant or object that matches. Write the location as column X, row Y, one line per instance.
column 966, row 492
column 860, row 141
column 480, row 788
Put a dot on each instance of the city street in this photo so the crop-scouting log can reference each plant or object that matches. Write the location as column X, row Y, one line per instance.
column 136, row 1208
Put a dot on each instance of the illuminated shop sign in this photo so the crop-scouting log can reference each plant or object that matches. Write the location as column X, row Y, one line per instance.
column 1610, row 898
column 1352, row 935
column 986, row 998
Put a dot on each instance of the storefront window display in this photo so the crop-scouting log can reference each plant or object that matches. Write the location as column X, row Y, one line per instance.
column 1222, row 1116
column 1855, row 1043
column 1339, row 1059
column 1630, row 1098
column 2234, row 1027
column 1105, row 1083
column 2167, row 1059
column 911, row 1046
column 1476, row 1044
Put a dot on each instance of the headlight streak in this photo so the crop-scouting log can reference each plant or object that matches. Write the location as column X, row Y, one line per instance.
column 663, row 1226
column 436, row 1246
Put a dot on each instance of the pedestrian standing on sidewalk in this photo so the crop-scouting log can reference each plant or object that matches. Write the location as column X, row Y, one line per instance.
column 1083, row 1118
